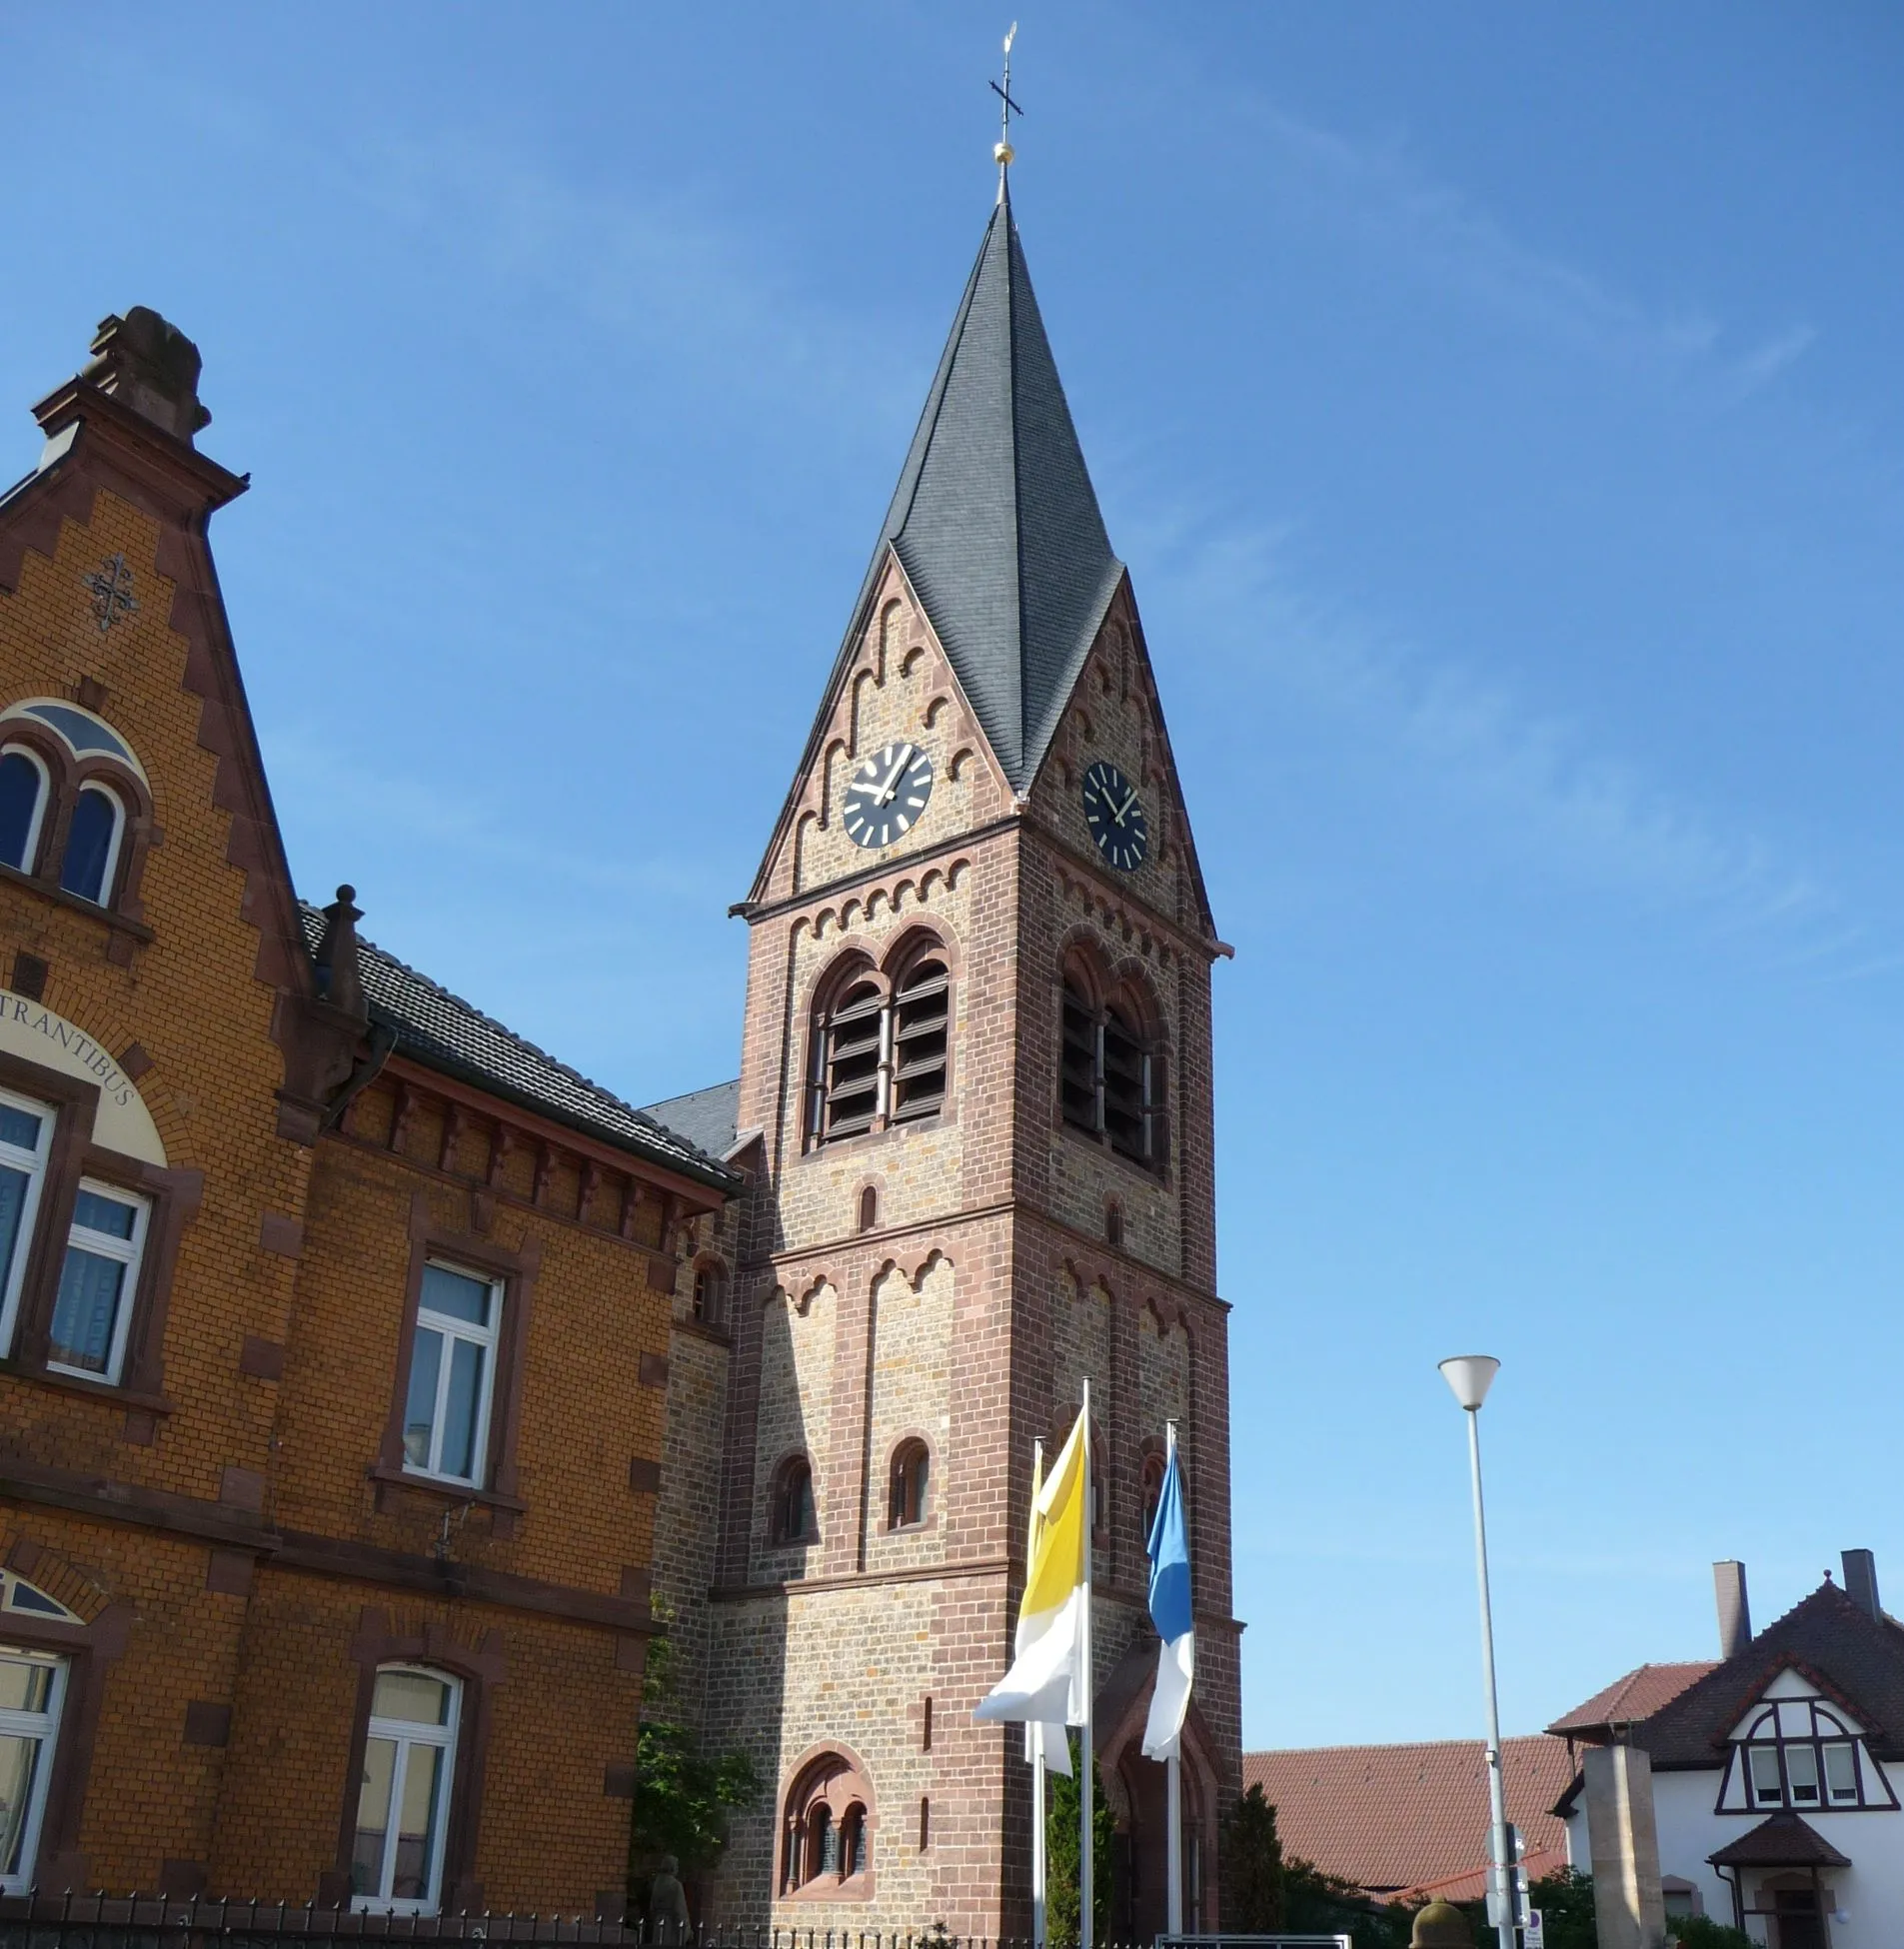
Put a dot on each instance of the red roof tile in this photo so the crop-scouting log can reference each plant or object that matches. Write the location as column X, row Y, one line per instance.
column 1405, row 1817
column 1629, row 1701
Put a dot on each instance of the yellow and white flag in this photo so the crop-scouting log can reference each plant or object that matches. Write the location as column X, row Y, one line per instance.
column 1043, row 1685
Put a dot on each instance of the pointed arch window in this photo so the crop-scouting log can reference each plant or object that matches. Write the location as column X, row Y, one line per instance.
column 1110, row 1071
column 882, row 1046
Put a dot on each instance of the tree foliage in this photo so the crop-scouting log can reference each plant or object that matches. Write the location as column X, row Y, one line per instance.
column 682, row 1796
column 1565, row 1901
column 1702, row 1932
column 1061, row 1848
column 1253, row 1867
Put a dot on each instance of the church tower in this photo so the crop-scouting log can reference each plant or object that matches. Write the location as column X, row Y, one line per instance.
column 975, row 1107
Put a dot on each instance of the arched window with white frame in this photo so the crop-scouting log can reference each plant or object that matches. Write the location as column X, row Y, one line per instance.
column 403, row 1802
column 25, row 788
column 26, row 1137
column 93, row 836
column 32, row 1690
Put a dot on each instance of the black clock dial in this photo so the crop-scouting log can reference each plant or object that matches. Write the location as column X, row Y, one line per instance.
column 886, row 796
column 1115, row 817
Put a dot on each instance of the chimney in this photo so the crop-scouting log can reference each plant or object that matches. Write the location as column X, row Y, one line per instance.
column 150, row 366
column 1861, row 1581
column 1736, row 1616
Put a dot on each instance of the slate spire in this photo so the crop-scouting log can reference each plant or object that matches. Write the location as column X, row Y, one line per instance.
column 995, row 519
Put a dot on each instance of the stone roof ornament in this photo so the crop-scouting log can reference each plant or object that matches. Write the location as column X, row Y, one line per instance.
column 336, row 958
column 151, row 366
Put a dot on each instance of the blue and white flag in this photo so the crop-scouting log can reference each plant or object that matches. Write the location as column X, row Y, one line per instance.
column 1170, row 1554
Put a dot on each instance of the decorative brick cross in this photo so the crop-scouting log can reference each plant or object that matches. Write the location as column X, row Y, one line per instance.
column 111, row 586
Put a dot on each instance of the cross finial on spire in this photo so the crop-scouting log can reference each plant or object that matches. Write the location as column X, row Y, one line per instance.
column 1002, row 151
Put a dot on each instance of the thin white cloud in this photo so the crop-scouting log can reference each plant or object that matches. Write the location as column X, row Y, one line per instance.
column 1380, row 192
column 1544, row 796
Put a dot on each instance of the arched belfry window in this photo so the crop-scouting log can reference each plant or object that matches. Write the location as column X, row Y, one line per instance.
column 881, row 1045
column 1110, row 1069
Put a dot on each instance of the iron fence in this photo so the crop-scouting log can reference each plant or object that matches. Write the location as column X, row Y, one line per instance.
column 101, row 1921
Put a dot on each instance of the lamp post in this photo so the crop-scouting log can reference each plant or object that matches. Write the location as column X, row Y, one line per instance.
column 1469, row 1376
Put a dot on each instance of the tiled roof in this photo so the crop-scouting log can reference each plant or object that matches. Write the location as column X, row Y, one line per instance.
column 1832, row 1639
column 445, row 1032
column 706, row 1117
column 1784, row 1841
column 1472, row 1886
column 1636, row 1696
column 1389, row 1818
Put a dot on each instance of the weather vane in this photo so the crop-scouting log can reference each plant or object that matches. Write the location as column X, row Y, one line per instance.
column 1003, row 151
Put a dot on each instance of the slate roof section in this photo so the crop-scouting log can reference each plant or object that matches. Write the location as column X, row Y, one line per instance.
column 444, row 1031
column 1786, row 1840
column 995, row 519
column 1405, row 1817
column 1833, row 1641
column 707, row 1118
column 1638, row 1695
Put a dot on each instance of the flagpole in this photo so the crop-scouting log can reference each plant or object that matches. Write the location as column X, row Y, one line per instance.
column 1087, row 1757
column 1173, row 1770
column 1034, row 1734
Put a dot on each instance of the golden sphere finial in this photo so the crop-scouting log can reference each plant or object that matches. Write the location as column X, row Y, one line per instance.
column 1004, row 154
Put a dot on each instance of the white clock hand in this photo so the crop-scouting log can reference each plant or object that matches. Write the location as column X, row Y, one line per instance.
column 891, row 783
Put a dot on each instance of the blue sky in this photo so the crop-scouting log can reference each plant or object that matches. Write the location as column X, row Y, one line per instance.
column 1499, row 409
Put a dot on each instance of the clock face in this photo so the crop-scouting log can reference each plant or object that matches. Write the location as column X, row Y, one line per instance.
column 1115, row 817
column 886, row 796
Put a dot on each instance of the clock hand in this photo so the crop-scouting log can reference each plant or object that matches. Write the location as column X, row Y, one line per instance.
column 1129, row 801
column 891, row 783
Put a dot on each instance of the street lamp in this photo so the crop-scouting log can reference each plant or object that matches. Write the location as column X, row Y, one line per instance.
column 1469, row 1376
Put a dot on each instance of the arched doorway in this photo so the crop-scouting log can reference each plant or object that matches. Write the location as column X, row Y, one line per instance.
column 1135, row 1789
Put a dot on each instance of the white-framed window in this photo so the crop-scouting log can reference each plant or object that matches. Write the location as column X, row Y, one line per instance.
column 92, row 1314
column 403, row 1800
column 24, row 791
column 26, row 1132
column 32, row 1689
column 1768, row 1789
column 451, row 1375
column 92, row 844
column 1841, row 1773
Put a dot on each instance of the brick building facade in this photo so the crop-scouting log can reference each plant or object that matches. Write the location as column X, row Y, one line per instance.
column 975, row 1119
column 334, row 1349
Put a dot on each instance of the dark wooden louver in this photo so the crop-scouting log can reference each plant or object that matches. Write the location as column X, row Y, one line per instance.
column 852, row 1078
column 1109, row 1084
column 919, row 1029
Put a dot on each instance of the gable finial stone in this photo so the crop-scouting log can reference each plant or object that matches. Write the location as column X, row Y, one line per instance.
column 148, row 364
column 336, row 958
